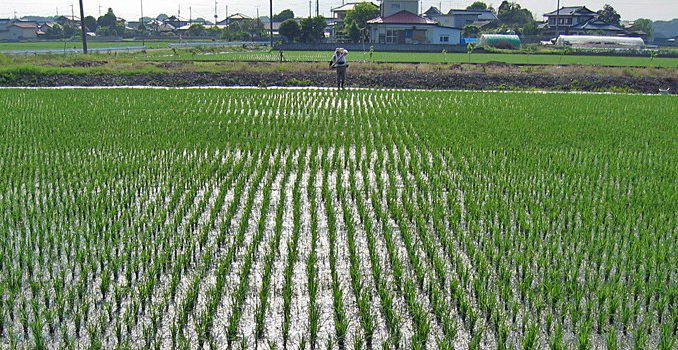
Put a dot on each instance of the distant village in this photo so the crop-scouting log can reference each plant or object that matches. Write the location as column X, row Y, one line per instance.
column 391, row 22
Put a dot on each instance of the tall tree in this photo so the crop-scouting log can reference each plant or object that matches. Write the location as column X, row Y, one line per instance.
column 108, row 20
column 478, row 5
column 91, row 23
column 283, row 16
column 313, row 29
column 644, row 25
column 289, row 29
column 361, row 13
column 609, row 15
column 512, row 14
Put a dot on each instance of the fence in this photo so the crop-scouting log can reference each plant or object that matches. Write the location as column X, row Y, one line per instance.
column 366, row 47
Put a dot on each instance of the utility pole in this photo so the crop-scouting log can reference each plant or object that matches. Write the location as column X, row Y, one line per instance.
column 215, row 12
column 310, row 7
column 72, row 13
column 179, row 12
column 99, row 10
column 558, row 19
column 270, row 20
column 190, row 15
column 317, row 8
column 142, row 14
column 226, row 11
column 257, row 12
column 83, row 29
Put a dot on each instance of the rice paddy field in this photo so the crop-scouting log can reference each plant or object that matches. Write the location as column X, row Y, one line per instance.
column 316, row 219
column 421, row 57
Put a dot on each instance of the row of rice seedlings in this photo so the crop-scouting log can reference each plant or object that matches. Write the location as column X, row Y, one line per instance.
column 271, row 255
column 311, row 261
column 391, row 318
column 340, row 318
column 292, row 248
column 362, row 296
column 240, row 294
column 205, row 321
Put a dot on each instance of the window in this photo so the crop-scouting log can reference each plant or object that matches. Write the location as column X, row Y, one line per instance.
column 444, row 39
column 390, row 36
column 395, row 6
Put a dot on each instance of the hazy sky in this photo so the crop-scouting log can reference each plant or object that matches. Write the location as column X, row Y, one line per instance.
column 131, row 9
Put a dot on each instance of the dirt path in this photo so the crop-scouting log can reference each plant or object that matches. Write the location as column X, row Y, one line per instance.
column 586, row 81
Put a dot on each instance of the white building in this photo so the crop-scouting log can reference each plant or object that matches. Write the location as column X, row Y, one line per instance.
column 400, row 24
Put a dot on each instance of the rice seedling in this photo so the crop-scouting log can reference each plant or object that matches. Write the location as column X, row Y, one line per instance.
column 366, row 219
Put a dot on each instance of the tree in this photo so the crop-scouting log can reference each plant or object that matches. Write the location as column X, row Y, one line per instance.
column 512, row 14
column 471, row 31
column 609, row 15
column 644, row 25
column 478, row 5
column 161, row 17
column 91, row 23
column 289, row 29
column 361, row 13
column 353, row 32
column 196, row 30
column 108, row 20
column 530, row 28
column 283, row 16
column 313, row 29
column 55, row 31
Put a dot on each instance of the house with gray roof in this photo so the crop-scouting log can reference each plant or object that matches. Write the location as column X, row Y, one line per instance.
column 577, row 20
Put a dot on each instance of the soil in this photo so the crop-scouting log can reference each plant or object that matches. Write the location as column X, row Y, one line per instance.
column 494, row 79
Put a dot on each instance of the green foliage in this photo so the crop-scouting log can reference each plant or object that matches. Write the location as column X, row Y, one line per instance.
column 283, row 15
column 91, row 24
column 512, row 14
column 290, row 30
column 478, row 5
column 312, row 30
column 361, row 13
column 643, row 25
column 108, row 20
column 609, row 15
column 366, row 219
column 196, row 30
column 471, row 31
column 354, row 32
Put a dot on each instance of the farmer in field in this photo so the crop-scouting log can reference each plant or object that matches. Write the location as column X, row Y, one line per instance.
column 340, row 63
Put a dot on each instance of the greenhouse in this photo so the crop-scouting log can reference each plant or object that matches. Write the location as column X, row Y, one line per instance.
column 500, row 41
column 600, row 42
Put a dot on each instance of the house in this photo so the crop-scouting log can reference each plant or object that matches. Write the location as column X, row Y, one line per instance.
column 461, row 18
column 339, row 13
column 404, row 27
column 19, row 31
column 391, row 7
column 569, row 17
column 577, row 20
column 598, row 26
column 236, row 17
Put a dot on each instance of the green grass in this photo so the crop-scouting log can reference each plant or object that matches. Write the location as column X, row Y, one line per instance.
column 76, row 44
column 171, row 218
column 317, row 56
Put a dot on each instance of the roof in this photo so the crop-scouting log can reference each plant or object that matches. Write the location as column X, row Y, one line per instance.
column 572, row 11
column 238, row 16
column 402, row 17
column 483, row 15
column 598, row 24
column 25, row 25
column 432, row 11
